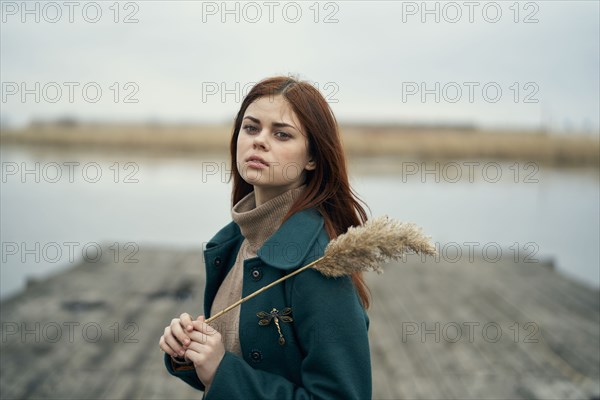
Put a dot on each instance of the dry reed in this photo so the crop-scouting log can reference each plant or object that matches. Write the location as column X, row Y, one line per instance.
column 361, row 248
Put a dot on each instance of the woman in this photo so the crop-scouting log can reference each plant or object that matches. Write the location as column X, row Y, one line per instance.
column 291, row 195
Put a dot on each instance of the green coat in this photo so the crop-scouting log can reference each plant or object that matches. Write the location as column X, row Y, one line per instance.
column 326, row 349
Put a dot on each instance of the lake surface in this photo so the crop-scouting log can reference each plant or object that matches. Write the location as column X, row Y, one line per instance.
column 59, row 206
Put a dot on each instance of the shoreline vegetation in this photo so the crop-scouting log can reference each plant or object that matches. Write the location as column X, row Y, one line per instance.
column 419, row 141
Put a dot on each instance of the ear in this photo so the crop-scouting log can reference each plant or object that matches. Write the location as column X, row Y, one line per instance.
column 310, row 165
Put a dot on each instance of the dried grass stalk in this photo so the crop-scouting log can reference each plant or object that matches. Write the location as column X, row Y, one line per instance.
column 361, row 248
column 366, row 247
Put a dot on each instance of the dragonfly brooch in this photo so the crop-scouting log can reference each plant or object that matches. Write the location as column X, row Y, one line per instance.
column 275, row 315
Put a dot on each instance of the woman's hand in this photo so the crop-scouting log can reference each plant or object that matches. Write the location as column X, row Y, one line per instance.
column 206, row 350
column 176, row 337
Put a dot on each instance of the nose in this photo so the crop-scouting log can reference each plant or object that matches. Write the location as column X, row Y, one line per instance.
column 260, row 140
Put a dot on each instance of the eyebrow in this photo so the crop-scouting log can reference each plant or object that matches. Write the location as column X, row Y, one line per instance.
column 276, row 124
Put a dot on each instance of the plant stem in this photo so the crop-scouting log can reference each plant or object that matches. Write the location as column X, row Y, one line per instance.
column 270, row 285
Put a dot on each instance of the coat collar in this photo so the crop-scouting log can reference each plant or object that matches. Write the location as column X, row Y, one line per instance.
column 289, row 246
column 292, row 242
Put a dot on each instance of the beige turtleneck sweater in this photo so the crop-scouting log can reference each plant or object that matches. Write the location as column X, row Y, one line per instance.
column 257, row 224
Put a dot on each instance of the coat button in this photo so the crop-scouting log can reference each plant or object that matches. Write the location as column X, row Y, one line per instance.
column 256, row 356
column 217, row 262
column 256, row 274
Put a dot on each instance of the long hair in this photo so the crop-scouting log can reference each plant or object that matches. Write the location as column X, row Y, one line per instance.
column 327, row 187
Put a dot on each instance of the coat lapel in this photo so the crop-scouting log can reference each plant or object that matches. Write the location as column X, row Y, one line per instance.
column 290, row 245
column 300, row 238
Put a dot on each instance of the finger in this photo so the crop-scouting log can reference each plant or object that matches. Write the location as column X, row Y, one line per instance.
column 176, row 348
column 198, row 325
column 198, row 322
column 201, row 319
column 166, row 348
column 204, row 328
column 198, row 337
column 198, row 348
column 194, row 356
column 179, row 333
column 186, row 322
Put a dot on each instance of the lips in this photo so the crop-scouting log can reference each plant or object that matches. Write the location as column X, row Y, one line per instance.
column 256, row 160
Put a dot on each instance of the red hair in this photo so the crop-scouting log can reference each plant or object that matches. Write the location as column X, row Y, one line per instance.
column 327, row 187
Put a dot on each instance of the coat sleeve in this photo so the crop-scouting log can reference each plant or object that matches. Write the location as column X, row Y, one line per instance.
column 188, row 375
column 331, row 327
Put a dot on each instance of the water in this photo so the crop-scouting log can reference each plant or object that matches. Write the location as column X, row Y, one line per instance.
column 51, row 221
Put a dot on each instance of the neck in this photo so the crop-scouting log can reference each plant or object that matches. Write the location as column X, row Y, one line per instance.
column 257, row 223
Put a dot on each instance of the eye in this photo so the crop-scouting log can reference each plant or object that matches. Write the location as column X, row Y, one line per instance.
column 250, row 129
column 282, row 135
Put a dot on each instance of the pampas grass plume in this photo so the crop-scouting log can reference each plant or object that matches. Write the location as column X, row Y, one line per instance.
column 366, row 247
column 361, row 248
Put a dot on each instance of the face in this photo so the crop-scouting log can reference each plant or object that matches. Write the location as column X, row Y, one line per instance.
column 272, row 147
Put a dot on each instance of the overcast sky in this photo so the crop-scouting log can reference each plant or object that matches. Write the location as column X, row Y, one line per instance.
column 492, row 64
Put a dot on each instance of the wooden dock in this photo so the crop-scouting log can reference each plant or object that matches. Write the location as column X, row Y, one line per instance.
column 439, row 330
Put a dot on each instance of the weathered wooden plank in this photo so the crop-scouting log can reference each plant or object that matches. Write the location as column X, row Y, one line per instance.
column 482, row 293
column 130, row 303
